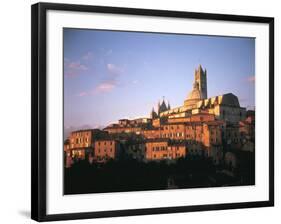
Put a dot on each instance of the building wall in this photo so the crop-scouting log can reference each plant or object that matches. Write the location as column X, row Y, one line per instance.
column 80, row 139
column 228, row 113
column 156, row 122
column 232, row 136
column 126, row 129
column 151, row 149
column 199, row 117
column 173, row 131
column 105, row 149
column 247, row 129
column 78, row 153
column 159, row 150
column 152, row 133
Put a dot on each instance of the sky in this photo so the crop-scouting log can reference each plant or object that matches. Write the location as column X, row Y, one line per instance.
column 110, row 75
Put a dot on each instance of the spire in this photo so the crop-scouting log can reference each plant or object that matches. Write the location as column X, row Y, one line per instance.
column 162, row 106
column 153, row 113
column 169, row 107
column 200, row 69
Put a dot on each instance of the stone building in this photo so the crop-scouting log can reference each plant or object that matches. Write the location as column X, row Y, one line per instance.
column 80, row 144
column 247, row 127
column 106, row 149
column 163, row 149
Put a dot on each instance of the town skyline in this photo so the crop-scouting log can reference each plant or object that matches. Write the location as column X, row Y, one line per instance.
column 97, row 79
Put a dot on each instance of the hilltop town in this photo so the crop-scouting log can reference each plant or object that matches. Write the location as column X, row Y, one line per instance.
column 216, row 128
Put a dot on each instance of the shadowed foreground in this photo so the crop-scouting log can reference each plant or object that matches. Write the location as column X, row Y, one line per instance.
column 131, row 175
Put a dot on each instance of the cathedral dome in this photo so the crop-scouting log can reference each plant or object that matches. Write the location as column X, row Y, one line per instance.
column 194, row 94
column 193, row 97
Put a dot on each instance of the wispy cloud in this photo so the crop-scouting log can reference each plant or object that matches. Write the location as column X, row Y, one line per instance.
column 114, row 69
column 83, row 94
column 251, row 79
column 77, row 66
column 73, row 68
column 109, row 83
column 105, row 87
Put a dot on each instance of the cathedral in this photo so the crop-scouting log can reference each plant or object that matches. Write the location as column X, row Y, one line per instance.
column 224, row 107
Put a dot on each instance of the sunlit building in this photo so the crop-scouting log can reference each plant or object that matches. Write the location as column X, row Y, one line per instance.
column 106, row 149
column 164, row 149
column 201, row 126
column 224, row 107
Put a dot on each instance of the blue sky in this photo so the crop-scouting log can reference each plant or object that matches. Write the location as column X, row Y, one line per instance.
column 109, row 75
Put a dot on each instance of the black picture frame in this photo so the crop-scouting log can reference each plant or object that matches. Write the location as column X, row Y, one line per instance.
column 39, row 108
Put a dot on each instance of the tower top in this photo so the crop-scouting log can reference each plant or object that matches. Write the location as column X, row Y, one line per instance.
column 200, row 70
column 199, row 90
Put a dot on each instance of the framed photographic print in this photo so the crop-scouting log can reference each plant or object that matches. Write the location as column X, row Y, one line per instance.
column 139, row 111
